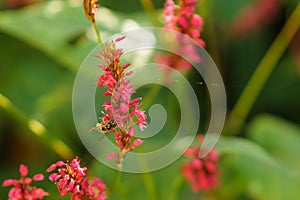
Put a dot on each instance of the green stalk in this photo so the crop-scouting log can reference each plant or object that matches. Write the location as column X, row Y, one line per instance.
column 151, row 11
column 97, row 34
column 260, row 76
column 175, row 187
column 150, row 186
column 37, row 128
column 118, row 189
column 118, row 180
column 147, row 177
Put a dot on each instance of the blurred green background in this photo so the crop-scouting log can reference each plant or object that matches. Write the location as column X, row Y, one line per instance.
column 42, row 44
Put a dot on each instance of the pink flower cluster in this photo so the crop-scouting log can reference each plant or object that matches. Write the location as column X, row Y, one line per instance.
column 182, row 18
column 121, row 109
column 70, row 178
column 254, row 16
column 202, row 174
column 22, row 189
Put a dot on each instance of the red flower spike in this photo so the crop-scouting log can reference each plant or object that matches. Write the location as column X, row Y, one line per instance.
column 121, row 112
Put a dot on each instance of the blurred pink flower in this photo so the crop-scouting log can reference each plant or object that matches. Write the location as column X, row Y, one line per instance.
column 22, row 189
column 254, row 16
column 184, row 19
column 70, row 178
column 202, row 174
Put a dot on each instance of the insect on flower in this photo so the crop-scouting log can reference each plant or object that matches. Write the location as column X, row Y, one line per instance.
column 104, row 127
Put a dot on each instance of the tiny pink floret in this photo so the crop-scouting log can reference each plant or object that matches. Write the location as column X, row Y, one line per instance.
column 111, row 156
column 120, row 38
column 137, row 142
column 38, row 177
column 23, row 170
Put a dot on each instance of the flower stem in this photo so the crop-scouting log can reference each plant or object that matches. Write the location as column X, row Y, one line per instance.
column 36, row 128
column 118, row 189
column 148, row 179
column 150, row 9
column 243, row 106
column 175, row 187
column 150, row 186
column 118, row 179
column 97, row 34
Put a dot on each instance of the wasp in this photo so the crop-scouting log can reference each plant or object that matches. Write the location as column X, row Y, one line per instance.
column 104, row 127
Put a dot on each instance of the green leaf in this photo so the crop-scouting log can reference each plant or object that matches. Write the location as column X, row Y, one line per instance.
column 61, row 30
column 239, row 146
column 255, row 180
column 265, row 167
column 49, row 27
column 279, row 137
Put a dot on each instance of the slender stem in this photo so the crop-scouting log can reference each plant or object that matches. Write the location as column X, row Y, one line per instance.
column 262, row 73
column 213, row 45
column 118, row 179
column 147, row 177
column 175, row 187
column 150, row 186
column 36, row 128
column 118, row 189
column 150, row 9
column 97, row 33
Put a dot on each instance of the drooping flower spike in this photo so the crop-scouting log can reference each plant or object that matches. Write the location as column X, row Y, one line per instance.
column 22, row 189
column 90, row 9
